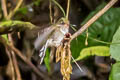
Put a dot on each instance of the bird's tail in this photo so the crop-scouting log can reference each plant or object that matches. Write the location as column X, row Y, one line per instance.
column 42, row 51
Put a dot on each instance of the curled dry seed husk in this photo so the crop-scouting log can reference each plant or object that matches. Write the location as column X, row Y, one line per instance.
column 58, row 53
column 64, row 53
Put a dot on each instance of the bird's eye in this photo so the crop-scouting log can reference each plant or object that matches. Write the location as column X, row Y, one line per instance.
column 62, row 22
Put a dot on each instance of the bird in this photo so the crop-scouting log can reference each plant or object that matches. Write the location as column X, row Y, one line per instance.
column 51, row 37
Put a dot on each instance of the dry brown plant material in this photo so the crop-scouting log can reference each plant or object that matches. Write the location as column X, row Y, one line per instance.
column 63, row 54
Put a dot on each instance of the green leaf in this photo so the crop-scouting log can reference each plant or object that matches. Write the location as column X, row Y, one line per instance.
column 102, row 30
column 93, row 13
column 95, row 50
column 77, row 46
column 115, row 72
column 46, row 60
column 105, row 27
column 115, row 48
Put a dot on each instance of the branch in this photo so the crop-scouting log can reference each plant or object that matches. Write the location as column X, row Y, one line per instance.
column 4, row 8
column 10, row 26
column 19, row 53
column 15, row 64
column 27, row 61
column 11, row 14
column 93, row 19
column 14, row 60
column 10, row 64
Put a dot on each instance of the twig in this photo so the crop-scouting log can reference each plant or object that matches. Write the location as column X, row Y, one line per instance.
column 12, row 43
column 93, row 19
column 18, row 52
column 14, row 60
column 68, row 9
column 12, row 57
column 4, row 8
column 14, row 11
column 77, row 64
column 50, row 9
column 38, row 72
column 16, row 66
column 28, row 62
column 11, row 63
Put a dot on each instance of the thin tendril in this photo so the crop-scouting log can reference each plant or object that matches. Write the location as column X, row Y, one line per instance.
column 109, row 43
column 77, row 64
column 59, row 7
column 68, row 8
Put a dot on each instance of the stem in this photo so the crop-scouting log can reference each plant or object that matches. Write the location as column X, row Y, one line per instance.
column 59, row 6
column 9, row 26
column 11, row 14
column 15, row 64
column 68, row 9
column 4, row 8
column 40, row 74
column 50, row 8
column 93, row 19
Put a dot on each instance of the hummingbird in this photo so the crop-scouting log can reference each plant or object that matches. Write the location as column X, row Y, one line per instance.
column 51, row 37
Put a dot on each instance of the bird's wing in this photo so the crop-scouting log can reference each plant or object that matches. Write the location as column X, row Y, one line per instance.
column 43, row 36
